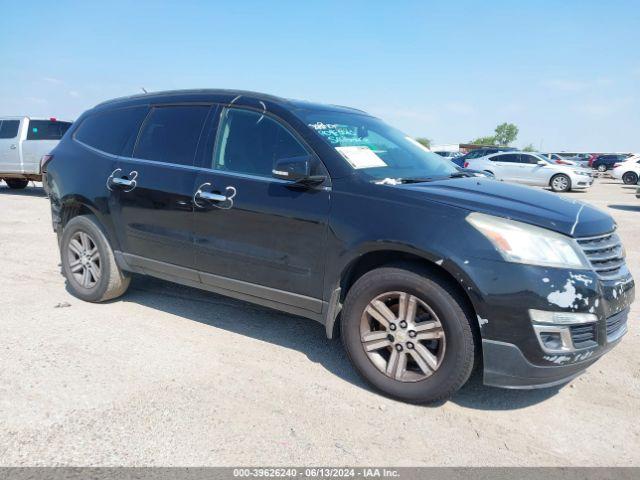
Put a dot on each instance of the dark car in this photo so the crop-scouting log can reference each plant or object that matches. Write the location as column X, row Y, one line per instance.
column 480, row 152
column 602, row 163
column 329, row 213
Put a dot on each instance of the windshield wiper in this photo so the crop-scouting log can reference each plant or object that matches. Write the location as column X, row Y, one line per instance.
column 415, row 180
column 460, row 175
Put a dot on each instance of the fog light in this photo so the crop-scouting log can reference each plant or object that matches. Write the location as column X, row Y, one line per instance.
column 551, row 340
column 554, row 339
column 561, row 318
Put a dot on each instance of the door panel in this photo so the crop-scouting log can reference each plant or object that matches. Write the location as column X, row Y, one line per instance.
column 155, row 218
column 538, row 175
column 152, row 192
column 271, row 233
column 10, row 146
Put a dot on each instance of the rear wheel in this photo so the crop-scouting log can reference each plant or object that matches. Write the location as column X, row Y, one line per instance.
column 560, row 183
column 88, row 262
column 407, row 335
column 16, row 183
column 630, row 178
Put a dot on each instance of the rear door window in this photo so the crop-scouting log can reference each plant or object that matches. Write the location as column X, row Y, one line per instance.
column 113, row 131
column 171, row 134
column 9, row 128
column 47, row 129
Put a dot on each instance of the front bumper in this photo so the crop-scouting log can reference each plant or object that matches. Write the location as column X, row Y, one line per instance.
column 579, row 182
column 506, row 366
column 513, row 353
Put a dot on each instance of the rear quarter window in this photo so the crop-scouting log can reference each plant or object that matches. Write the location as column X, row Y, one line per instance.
column 113, row 131
column 47, row 129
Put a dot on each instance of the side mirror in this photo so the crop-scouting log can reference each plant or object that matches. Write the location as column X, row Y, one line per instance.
column 541, row 162
column 296, row 170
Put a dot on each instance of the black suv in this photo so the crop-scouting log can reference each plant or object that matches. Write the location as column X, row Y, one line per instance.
column 329, row 213
column 606, row 162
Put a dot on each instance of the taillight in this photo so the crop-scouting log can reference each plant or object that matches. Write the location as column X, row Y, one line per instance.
column 466, row 164
column 562, row 162
column 44, row 161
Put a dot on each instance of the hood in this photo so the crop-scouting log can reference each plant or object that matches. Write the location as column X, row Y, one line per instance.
column 524, row 204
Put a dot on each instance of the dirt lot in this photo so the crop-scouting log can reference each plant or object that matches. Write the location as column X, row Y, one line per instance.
column 169, row 375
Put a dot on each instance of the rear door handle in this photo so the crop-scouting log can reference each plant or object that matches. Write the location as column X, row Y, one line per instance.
column 218, row 200
column 12, row 147
column 126, row 184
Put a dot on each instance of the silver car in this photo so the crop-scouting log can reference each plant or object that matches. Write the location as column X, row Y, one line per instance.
column 533, row 169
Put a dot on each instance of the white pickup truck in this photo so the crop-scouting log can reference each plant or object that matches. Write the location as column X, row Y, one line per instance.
column 23, row 142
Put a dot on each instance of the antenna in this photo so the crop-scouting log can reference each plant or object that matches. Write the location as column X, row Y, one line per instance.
column 143, row 89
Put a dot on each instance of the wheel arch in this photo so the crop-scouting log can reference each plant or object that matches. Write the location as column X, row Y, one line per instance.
column 75, row 205
column 443, row 268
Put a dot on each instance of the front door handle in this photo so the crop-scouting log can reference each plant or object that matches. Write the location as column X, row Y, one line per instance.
column 218, row 200
column 125, row 183
column 12, row 146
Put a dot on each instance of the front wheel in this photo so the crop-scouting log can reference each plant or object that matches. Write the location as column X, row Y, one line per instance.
column 560, row 183
column 407, row 335
column 88, row 262
column 602, row 168
column 17, row 183
column 630, row 178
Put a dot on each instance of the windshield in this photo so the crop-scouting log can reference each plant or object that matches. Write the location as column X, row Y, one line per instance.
column 376, row 150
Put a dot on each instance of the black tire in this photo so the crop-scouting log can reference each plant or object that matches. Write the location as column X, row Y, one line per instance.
column 630, row 178
column 602, row 168
column 112, row 281
column 16, row 183
column 560, row 183
column 459, row 355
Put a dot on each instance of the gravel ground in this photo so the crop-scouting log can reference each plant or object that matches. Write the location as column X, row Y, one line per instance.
column 169, row 375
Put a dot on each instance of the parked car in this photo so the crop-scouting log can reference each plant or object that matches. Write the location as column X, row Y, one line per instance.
column 559, row 160
column 329, row 213
column 628, row 171
column 23, row 142
column 533, row 169
column 448, row 155
column 480, row 152
column 602, row 163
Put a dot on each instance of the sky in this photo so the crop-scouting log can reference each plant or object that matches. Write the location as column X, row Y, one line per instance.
column 567, row 73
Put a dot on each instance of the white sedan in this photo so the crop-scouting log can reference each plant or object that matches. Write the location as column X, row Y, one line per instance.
column 533, row 169
column 628, row 171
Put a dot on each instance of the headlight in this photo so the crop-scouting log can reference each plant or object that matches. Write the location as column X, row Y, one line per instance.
column 522, row 243
column 583, row 173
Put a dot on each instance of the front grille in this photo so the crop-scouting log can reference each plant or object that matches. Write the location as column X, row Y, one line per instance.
column 616, row 325
column 584, row 336
column 605, row 253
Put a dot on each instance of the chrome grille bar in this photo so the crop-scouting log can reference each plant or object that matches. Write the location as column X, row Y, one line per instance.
column 605, row 253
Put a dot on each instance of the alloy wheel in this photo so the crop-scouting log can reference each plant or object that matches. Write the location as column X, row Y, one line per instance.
column 402, row 336
column 560, row 183
column 84, row 259
column 630, row 178
column 602, row 168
